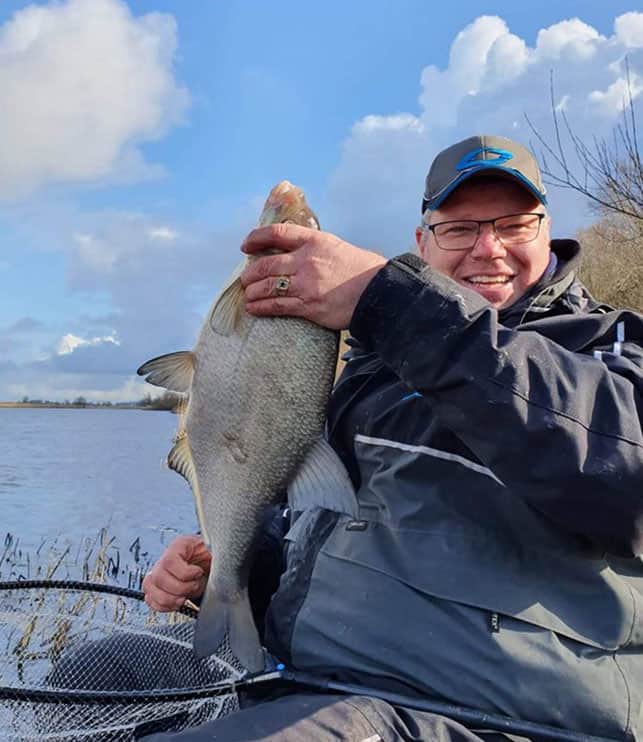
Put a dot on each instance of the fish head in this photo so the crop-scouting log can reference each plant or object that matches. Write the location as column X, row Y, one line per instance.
column 287, row 203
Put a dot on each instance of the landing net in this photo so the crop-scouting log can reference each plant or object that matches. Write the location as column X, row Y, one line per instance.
column 82, row 661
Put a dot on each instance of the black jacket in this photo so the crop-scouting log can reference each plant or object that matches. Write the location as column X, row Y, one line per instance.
column 557, row 378
column 497, row 459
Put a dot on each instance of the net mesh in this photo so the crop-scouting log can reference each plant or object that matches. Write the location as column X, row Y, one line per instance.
column 94, row 663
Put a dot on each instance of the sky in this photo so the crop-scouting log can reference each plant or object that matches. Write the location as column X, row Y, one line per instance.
column 138, row 141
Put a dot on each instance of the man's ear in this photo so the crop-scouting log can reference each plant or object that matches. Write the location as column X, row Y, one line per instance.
column 420, row 241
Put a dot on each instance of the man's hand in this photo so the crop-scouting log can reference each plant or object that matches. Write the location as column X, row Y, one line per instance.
column 179, row 575
column 326, row 274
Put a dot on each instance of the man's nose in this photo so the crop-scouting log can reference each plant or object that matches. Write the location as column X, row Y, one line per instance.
column 488, row 244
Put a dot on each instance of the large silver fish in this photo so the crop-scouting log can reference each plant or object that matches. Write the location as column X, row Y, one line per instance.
column 258, row 389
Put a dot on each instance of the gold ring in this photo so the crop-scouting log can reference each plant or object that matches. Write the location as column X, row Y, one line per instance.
column 282, row 284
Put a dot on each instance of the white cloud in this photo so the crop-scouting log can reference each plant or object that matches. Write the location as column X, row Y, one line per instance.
column 571, row 39
column 617, row 95
column 400, row 121
column 629, row 30
column 117, row 239
column 507, row 58
column 156, row 290
column 443, row 89
column 69, row 342
column 61, row 388
column 492, row 80
column 156, row 278
column 163, row 233
column 82, row 82
column 563, row 103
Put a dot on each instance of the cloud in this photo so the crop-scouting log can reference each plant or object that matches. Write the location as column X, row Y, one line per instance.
column 629, row 30
column 162, row 233
column 82, row 84
column 69, row 343
column 570, row 40
column 155, row 278
column 617, row 95
column 475, row 53
column 32, row 384
column 492, row 80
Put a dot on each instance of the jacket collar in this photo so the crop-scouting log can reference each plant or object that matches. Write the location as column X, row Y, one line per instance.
column 549, row 289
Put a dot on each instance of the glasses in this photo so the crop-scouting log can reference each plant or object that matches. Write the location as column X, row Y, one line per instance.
column 462, row 234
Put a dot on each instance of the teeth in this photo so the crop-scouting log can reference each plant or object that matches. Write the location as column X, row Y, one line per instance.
column 489, row 279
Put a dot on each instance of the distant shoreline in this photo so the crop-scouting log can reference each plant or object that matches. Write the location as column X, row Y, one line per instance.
column 71, row 406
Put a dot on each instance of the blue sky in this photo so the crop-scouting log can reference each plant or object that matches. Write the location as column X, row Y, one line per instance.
column 138, row 140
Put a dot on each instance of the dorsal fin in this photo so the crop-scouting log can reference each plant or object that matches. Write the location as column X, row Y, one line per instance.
column 173, row 371
column 229, row 305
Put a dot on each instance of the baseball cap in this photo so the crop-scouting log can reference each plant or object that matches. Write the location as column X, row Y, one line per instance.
column 482, row 153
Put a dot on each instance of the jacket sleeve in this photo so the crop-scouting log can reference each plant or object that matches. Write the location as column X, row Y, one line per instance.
column 561, row 429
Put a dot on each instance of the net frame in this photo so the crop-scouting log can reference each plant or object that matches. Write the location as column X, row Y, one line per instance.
column 214, row 699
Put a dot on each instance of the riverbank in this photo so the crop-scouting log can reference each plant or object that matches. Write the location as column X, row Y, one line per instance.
column 86, row 406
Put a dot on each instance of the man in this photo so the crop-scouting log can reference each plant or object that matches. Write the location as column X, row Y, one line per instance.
column 490, row 419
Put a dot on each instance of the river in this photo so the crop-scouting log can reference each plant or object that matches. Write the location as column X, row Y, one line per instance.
column 65, row 474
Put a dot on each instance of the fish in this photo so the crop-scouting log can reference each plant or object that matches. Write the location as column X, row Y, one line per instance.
column 253, row 426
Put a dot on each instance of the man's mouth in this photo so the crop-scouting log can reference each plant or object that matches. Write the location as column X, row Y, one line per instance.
column 488, row 280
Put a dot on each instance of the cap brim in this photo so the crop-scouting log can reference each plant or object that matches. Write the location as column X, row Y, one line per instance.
column 483, row 168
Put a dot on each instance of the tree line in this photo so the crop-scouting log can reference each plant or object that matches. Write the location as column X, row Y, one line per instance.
column 167, row 401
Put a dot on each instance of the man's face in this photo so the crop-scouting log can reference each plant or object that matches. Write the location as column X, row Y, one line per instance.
column 499, row 273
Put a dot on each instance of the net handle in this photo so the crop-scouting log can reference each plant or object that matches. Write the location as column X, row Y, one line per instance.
column 133, row 698
column 93, row 587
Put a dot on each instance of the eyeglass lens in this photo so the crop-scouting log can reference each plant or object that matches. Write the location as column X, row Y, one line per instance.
column 514, row 229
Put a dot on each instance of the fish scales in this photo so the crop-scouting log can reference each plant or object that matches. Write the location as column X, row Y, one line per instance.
column 257, row 389
column 270, row 411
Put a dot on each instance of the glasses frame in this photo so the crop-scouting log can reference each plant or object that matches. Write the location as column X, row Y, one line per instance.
column 480, row 222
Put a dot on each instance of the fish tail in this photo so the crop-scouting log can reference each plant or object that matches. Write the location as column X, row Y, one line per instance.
column 219, row 617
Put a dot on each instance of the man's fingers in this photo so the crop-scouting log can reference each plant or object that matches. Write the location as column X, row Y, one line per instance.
column 167, row 583
column 284, row 237
column 266, row 289
column 266, row 266
column 277, row 306
column 183, row 571
column 165, row 604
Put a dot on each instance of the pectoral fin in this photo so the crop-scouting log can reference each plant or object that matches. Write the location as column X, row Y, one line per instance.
column 173, row 371
column 322, row 481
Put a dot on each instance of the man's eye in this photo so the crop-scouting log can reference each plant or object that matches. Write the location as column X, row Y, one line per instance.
column 517, row 225
column 456, row 230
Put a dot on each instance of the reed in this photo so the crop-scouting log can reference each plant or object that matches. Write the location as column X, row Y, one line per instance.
column 98, row 558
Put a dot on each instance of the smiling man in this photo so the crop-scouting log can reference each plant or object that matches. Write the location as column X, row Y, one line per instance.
column 489, row 417
column 485, row 224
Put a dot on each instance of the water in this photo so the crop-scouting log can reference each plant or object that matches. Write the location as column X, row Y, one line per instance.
column 66, row 474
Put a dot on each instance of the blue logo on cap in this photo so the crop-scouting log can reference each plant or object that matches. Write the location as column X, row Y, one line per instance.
column 471, row 158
